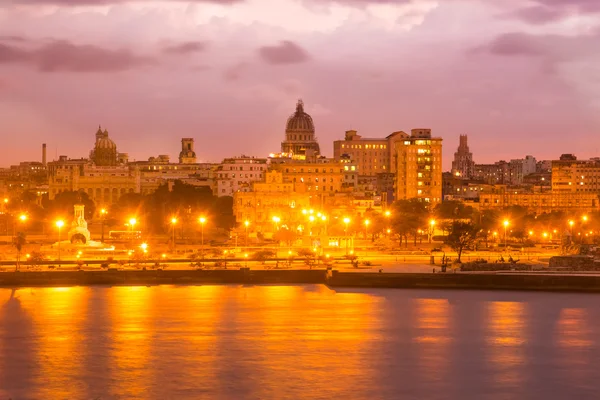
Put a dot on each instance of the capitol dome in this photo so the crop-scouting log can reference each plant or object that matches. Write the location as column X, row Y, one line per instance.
column 300, row 121
column 106, row 143
column 105, row 150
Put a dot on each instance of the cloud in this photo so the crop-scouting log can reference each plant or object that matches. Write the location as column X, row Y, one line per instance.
column 547, row 11
column 61, row 55
column 79, row 3
column 515, row 44
column 286, row 52
column 185, row 48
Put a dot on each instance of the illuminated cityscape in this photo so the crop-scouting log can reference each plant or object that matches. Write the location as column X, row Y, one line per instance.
column 299, row 199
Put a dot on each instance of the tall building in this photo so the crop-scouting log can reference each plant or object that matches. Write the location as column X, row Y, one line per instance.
column 463, row 164
column 104, row 153
column 492, row 174
column 372, row 155
column 572, row 175
column 300, row 141
column 187, row 154
column 419, row 167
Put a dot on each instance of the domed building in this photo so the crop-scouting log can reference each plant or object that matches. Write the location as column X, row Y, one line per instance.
column 105, row 150
column 300, row 141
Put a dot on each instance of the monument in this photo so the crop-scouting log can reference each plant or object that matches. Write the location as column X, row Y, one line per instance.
column 79, row 237
column 79, row 233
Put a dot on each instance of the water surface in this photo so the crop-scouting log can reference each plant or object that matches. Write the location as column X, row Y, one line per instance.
column 296, row 342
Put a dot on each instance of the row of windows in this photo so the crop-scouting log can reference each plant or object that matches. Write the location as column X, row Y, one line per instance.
column 366, row 146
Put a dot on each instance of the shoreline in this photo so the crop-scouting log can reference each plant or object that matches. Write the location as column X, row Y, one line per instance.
column 333, row 279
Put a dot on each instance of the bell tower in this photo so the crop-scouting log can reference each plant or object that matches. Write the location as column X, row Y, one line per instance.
column 187, row 154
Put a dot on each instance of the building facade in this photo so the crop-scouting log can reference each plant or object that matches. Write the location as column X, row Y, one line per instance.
column 372, row 155
column 419, row 167
column 237, row 174
column 576, row 176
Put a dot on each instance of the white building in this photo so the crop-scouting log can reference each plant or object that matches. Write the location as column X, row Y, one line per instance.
column 237, row 174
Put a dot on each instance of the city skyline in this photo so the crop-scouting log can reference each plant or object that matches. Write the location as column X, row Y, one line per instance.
column 152, row 72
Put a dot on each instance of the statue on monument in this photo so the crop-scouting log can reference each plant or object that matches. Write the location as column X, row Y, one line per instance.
column 79, row 233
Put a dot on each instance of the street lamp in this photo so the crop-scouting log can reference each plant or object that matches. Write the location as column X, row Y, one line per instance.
column 246, row 224
column 102, row 218
column 367, row 222
column 59, row 224
column 202, row 221
column 432, row 227
column 346, row 222
column 173, row 223
column 276, row 220
column 506, row 224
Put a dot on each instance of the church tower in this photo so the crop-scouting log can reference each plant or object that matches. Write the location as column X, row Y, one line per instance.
column 187, row 154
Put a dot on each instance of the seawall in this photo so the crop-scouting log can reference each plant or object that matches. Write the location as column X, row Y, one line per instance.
column 334, row 279
column 160, row 277
column 491, row 281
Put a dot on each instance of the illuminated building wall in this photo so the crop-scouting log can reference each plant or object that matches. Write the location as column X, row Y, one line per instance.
column 419, row 167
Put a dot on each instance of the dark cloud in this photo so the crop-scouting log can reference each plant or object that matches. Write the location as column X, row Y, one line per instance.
column 546, row 11
column 515, row 44
column 64, row 56
column 185, row 48
column 10, row 53
column 286, row 52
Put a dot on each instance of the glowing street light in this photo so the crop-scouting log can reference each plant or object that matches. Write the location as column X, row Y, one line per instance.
column 132, row 223
column 246, row 224
column 202, row 221
column 276, row 220
column 103, row 213
column 173, row 223
column 388, row 213
column 506, row 224
column 431, row 228
column 59, row 224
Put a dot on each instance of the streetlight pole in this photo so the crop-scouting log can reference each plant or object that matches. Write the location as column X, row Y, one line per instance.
column 102, row 217
column 246, row 223
column 173, row 222
column 431, row 229
column 59, row 224
column 202, row 221
column 367, row 222
column 506, row 223
column 346, row 222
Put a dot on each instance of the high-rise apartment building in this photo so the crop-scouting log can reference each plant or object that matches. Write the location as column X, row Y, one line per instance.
column 463, row 164
column 372, row 155
column 572, row 175
column 419, row 167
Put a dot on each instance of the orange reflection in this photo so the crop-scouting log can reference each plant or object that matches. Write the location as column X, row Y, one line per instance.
column 314, row 335
column 574, row 341
column 130, row 310
column 432, row 322
column 59, row 318
column 505, row 339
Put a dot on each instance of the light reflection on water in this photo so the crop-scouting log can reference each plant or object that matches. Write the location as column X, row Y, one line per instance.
column 280, row 342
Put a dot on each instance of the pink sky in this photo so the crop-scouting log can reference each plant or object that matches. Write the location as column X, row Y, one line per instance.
column 519, row 77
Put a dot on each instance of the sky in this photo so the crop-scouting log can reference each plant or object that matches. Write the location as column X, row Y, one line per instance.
column 518, row 76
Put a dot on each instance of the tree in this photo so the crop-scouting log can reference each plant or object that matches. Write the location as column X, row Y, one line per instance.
column 286, row 236
column 308, row 255
column 263, row 255
column 37, row 258
column 63, row 204
column 462, row 235
column 453, row 209
column 20, row 241
column 408, row 216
